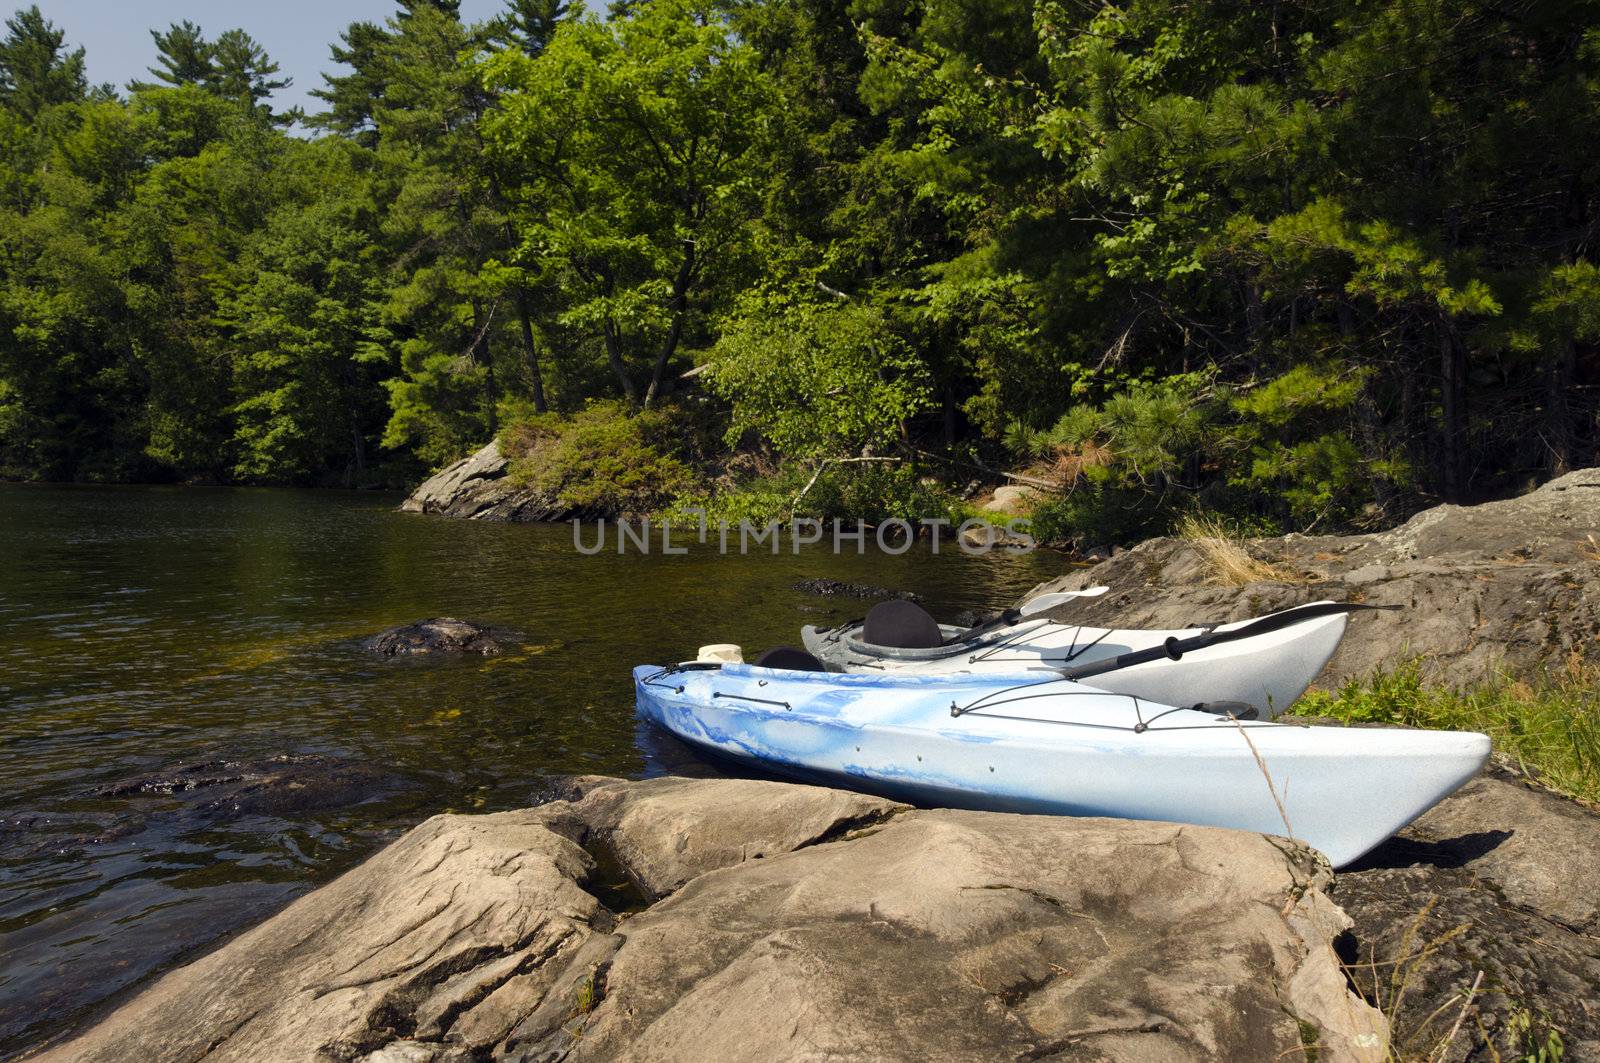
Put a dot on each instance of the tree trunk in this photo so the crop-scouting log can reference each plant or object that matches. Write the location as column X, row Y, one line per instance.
column 530, row 351
column 614, row 356
column 1453, row 413
column 1558, row 412
column 482, row 354
column 679, row 304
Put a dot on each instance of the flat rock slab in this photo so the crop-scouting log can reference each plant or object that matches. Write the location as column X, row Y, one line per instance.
column 795, row 923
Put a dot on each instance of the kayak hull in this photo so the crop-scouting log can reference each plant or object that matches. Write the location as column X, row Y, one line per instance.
column 1016, row 744
column 1266, row 671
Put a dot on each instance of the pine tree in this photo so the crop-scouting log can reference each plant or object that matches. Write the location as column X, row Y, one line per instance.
column 36, row 71
column 351, row 97
column 242, row 70
column 183, row 57
column 529, row 24
column 449, row 8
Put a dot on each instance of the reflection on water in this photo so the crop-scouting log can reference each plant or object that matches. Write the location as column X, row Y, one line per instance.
column 143, row 627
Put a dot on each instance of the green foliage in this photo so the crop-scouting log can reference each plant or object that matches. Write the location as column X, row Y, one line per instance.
column 36, row 70
column 1099, row 515
column 869, row 493
column 816, row 380
column 605, row 459
column 637, row 141
column 1303, row 266
column 1550, row 728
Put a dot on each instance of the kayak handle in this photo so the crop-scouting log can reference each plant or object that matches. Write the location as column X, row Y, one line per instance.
column 746, row 697
column 1174, row 648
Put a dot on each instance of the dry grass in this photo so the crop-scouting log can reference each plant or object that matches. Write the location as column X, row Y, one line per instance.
column 1232, row 564
column 1591, row 552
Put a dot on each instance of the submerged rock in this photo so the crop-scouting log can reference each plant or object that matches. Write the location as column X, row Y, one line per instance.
column 442, row 634
column 284, row 785
column 1511, row 586
column 834, row 588
column 798, row 922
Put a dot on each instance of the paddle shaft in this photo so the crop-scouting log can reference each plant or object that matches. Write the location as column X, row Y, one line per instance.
column 1020, row 612
column 1174, row 648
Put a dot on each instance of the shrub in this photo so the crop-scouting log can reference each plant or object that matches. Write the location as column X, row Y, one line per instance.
column 1095, row 514
column 605, row 459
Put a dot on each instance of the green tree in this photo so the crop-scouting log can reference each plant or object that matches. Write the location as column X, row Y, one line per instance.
column 37, row 71
column 183, row 57
column 642, row 141
column 243, row 72
column 816, row 380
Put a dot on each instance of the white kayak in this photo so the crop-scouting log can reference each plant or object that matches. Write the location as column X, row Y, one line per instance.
column 1267, row 671
column 1026, row 743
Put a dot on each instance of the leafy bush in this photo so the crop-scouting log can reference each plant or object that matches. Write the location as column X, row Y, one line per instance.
column 868, row 492
column 604, row 459
column 816, row 381
column 1093, row 515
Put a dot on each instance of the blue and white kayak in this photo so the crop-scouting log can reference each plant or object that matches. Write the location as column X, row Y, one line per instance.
column 1029, row 743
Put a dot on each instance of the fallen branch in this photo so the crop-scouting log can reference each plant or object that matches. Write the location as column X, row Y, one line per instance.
column 1031, row 481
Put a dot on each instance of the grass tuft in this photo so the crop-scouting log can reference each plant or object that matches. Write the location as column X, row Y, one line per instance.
column 1550, row 729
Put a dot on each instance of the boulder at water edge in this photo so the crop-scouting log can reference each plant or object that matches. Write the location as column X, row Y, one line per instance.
column 787, row 922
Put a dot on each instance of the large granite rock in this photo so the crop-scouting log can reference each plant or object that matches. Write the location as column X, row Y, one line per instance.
column 477, row 488
column 1505, row 586
column 1499, row 884
column 795, row 923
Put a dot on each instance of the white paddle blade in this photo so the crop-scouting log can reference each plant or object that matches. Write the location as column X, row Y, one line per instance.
column 1050, row 601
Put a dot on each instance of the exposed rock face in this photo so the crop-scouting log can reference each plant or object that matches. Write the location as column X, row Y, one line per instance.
column 1502, row 879
column 477, row 488
column 442, row 634
column 1512, row 585
column 797, row 923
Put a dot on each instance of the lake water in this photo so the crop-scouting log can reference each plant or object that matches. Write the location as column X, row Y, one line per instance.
column 142, row 628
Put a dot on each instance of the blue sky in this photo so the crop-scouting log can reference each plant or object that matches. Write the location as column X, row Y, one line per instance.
column 296, row 33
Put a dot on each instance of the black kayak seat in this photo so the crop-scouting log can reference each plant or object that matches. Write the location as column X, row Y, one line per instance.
column 901, row 625
column 791, row 659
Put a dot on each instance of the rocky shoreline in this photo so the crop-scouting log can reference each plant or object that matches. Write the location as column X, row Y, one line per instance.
column 719, row 918
column 692, row 919
column 478, row 488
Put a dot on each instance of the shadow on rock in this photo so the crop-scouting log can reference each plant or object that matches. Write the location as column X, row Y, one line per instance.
column 1452, row 852
column 1498, row 885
